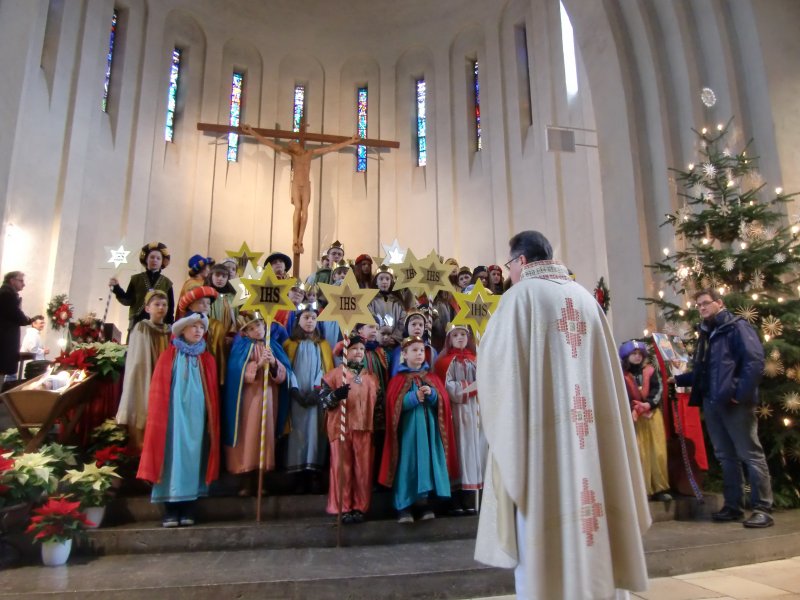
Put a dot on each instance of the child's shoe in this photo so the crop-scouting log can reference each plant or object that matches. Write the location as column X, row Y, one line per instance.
column 405, row 516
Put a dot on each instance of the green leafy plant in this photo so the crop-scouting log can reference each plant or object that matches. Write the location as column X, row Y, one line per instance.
column 90, row 485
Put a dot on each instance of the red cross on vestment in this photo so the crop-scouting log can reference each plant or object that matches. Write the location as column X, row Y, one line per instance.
column 591, row 511
column 572, row 326
column 581, row 416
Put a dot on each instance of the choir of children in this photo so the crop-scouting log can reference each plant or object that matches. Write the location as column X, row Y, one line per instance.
column 387, row 410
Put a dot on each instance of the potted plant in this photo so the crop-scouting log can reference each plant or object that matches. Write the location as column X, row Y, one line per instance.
column 63, row 457
column 91, row 486
column 26, row 478
column 55, row 524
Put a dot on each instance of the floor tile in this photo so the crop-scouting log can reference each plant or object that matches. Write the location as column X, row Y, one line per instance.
column 669, row 588
column 781, row 574
column 738, row 587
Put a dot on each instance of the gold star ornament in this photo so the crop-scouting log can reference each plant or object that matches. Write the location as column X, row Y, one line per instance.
column 475, row 308
column 432, row 276
column 405, row 272
column 268, row 294
column 241, row 290
column 244, row 256
column 348, row 304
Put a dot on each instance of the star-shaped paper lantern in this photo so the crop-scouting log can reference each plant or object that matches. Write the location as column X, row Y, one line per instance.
column 475, row 308
column 395, row 255
column 268, row 294
column 405, row 272
column 242, row 294
column 348, row 304
column 118, row 256
column 432, row 276
column 244, row 256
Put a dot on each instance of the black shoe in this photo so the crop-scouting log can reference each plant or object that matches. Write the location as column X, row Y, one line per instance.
column 662, row 497
column 358, row 516
column 759, row 520
column 727, row 514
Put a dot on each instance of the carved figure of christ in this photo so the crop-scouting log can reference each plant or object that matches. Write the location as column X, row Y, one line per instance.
column 301, row 176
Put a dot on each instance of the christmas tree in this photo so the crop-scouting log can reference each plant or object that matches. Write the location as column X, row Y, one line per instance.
column 732, row 234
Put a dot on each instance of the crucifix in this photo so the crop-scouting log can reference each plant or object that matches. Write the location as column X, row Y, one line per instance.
column 301, row 164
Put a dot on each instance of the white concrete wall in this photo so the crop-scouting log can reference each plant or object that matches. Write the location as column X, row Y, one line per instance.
column 74, row 179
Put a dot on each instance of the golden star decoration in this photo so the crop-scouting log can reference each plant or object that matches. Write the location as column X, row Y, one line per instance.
column 475, row 308
column 243, row 257
column 405, row 272
column 771, row 326
column 348, row 304
column 432, row 276
column 241, row 290
column 764, row 411
column 268, row 294
column 791, row 402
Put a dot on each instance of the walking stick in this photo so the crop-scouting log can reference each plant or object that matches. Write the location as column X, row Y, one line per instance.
column 263, row 438
column 342, row 430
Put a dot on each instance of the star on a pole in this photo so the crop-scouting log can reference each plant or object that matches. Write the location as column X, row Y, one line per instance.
column 405, row 272
column 118, row 256
column 395, row 255
column 268, row 294
column 475, row 308
column 432, row 276
column 244, row 256
column 241, row 290
column 348, row 304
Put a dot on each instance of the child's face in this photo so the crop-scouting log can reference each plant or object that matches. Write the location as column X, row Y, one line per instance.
column 154, row 260
column 203, row 305
column 231, row 270
column 365, row 266
column 255, row 331
column 384, row 282
column 355, row 353
column 339, row 275
column 459, row 339
column 296, row 295
column 414, row 355
column 369, row 332
column 308, row 321
column 484, row 277
column 496, row 277
column 636, row 357
column 311, row 296
column 279, row 267
column 464, row 279
column 204, row 272
column 335, row 255
column 454, row 270
column 219, row 279
column 416, row 326
column 157, row 309
column 325, row 262
column 194, row 333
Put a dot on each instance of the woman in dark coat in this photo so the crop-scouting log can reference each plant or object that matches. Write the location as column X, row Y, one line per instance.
column 11, row 319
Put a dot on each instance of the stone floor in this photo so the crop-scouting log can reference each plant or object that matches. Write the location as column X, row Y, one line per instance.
column 779, row 579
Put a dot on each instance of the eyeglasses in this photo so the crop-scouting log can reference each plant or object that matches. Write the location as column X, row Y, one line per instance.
column 508, row 264
column 704, row 304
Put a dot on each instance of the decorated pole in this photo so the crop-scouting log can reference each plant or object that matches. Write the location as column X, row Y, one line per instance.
column 347, row 305
column 267, row 295
column 117, row 256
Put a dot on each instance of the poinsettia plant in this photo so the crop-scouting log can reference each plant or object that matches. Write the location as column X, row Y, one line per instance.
column 59, row 311
column 107, row 359
column 87, row 330
column 112, row 455
column 92, row 484
column 26, row 477
column 58, row 520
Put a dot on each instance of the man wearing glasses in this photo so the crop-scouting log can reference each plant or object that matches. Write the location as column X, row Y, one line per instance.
column 11, row 319
column 726, row 371
column 564, row 501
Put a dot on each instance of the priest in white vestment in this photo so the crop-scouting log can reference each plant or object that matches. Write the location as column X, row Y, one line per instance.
column 564, row 499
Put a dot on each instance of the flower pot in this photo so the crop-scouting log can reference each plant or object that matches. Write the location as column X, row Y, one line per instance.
column 95, row 515
column 55, row 554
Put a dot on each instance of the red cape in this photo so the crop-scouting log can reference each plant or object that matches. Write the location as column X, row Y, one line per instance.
column 397, row 389
column 444, row 360
column 155, row 434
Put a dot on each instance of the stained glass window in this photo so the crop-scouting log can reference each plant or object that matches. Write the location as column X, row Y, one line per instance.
column 236, row 113
column 299, row 105
column 477, row 86
column 361, row 150
column 568, row 44
column 109, row 59
column 172, row 95
column 422, row 147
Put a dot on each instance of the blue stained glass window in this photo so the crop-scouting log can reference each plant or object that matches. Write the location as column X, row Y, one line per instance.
column 172, row 95
column 361, row 150
column 109, row 59
column 422, row 146
column 236, row 113
column 477, row 85
column 299, row 105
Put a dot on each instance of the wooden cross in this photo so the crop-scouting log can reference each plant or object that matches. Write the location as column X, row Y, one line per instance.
column 301, row 159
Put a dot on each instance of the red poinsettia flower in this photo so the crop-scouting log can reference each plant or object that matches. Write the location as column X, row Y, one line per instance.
column 110, row 455
column 56, row 518
column 5, row 463
column 79, row 359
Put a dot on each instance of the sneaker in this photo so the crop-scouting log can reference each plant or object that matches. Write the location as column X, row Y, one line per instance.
column 427, row 515
column 662, row 497
column 358, row 516
column 759, row 520
column 727, row 514
column 169, row 521
column 405, row 516
column 186, row 521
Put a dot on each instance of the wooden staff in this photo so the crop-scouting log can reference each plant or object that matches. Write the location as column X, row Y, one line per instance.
column 342, row 430
column 108, row 299
column 263, row 439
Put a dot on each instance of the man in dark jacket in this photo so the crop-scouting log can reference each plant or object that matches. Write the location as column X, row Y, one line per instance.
column 11, row 319
column 726, row 372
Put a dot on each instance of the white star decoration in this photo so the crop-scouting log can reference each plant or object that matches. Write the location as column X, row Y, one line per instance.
column 119, row 256
column 394, row 253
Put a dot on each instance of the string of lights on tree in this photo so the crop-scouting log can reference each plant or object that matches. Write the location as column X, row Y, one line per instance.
column 733, row 234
